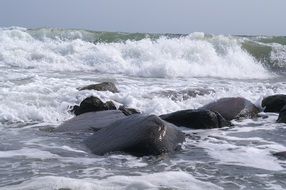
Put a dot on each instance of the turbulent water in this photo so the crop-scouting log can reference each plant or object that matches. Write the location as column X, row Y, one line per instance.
column 41, row 69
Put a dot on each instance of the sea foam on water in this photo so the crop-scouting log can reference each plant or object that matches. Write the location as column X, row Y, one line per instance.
column 41, row 70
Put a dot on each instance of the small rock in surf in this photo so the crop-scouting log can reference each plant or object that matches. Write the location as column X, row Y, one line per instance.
column 104, row 86
column 281, row 155
column 92, row 104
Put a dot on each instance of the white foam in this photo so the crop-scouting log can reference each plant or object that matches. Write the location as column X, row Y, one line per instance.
column 47, row 98
column 175, row 179
column 42, row 100
column 191, row 56
column 248, row 156
column 29, row 153
column 72, row 149
column 42, row 94
column 278, row 55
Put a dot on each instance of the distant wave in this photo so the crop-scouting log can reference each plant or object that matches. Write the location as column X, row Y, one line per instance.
column 145, row 55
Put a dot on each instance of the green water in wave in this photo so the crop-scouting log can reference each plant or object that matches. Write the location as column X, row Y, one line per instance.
column 94, row 36
column 262, row 48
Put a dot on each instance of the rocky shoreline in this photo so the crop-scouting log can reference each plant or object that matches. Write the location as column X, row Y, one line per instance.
column 122, row 129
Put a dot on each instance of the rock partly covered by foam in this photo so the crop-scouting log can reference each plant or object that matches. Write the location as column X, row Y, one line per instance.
column 90, row 121
column 233, row 108
column 128, row 111
column 138, row 135
column 281, row 155
column 282, row 115
column 274, row 103
column 104, row 86
column 185, row 94
column 196, row 119
column 92, row 104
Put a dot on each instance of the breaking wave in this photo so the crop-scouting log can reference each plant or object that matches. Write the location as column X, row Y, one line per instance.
column 145, row 55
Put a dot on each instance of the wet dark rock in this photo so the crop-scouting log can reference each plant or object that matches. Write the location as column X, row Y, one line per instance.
column 196, row 119
column 281, row 155
column 92, row 104
column 138, row 135
column 104, row 86
column 282, row 115
column 128, row 111
column 110, row 105
column 274, row 103
column 233, row 108
column 91, row 121
column 185, row 94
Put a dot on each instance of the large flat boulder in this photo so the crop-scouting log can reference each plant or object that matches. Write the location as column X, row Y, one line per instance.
column 196, row 119
column 233, row 108
column 90, row 121
column 138, row 135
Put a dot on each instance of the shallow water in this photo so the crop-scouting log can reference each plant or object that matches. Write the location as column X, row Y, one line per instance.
column 39, row 77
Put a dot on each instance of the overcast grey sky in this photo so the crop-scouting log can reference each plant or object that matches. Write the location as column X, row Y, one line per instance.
column 251, row 17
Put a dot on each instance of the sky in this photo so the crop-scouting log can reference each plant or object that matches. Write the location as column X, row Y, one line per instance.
column 241, row 17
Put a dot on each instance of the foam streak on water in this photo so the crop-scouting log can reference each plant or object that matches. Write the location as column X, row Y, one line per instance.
column 41, row 69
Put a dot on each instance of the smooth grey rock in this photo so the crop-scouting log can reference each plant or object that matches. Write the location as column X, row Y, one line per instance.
column 138, row 135
column 233, row 108
column 196, row 119
column 90, row 121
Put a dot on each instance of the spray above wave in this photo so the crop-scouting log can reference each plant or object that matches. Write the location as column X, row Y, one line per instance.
column 145, row 55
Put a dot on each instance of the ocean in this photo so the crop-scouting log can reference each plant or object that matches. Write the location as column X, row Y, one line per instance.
column 42, row 69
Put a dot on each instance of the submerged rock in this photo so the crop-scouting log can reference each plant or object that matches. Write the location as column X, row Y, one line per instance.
column 104, row 86
column 185, row 94
column 138, row 135
column 196, row 119
column 281, row 155
column 233, row 108
column 92, row 104
column 282, row 115
column 274, row 103
column 90, row 121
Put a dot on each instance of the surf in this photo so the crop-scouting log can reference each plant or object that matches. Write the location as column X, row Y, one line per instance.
column 143, row 55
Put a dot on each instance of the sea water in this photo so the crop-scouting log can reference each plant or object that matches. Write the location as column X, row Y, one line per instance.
column 41, row 69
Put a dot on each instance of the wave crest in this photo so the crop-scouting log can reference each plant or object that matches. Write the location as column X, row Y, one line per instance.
column 194, row 55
